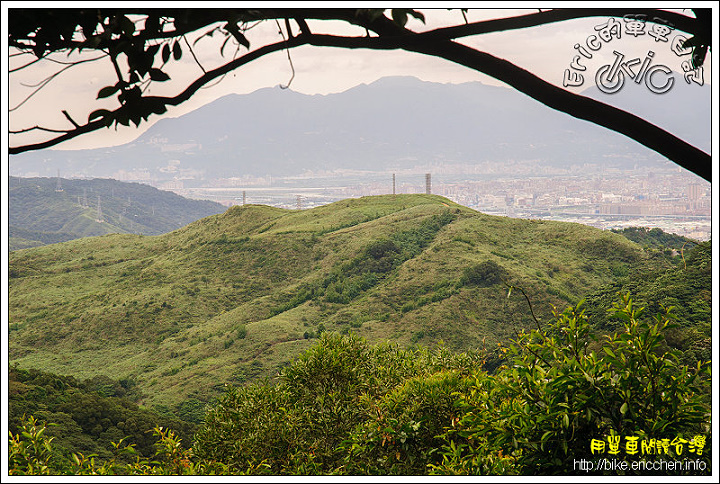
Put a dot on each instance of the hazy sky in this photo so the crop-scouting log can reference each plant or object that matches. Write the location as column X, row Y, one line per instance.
column 546, row 51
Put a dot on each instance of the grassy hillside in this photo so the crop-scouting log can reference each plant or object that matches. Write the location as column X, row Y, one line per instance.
column 684, row 283
column 233, row 297
column 39, row 214
column 656, row 238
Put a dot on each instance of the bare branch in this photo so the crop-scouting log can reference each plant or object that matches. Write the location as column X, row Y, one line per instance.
column 288, row 28
column 47, row 80
column 67, row 115
column 40, row 86
column 38, row 59
column 193, row 54
column 77, row 62
column 21, row 52
column 292, row 67
column 27, row 130
column 304, row 29
column 174, row 101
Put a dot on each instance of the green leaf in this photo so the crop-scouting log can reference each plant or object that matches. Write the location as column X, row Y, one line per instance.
column 177, row 50
column 624, row 408
column 399, row 16
column 418, row 15
column 100, row 113
column 108, row 91
column 152, row 50
column 127, row 26
column 609, row 351
column 158, row 75
column 235, row 32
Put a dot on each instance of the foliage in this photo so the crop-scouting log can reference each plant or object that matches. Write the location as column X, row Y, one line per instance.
column 30, row 453
column 486, row 273
column 656, row 238
column 402, row 434
column 87, row 414
column 683, row 281
column 345, row 407
column 319, row 399
column 561, row 393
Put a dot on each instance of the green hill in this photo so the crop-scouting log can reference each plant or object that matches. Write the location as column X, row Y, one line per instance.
column 656, row 238
column 233, row 297
column 41, row 214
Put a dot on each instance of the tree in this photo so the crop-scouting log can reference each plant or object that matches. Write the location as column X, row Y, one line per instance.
column 141, row 43
column 564, row 395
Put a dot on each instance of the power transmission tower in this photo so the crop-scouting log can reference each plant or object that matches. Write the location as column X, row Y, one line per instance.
column 299, row 202
column 99, row 219
column 427, row 183
column 243, row 197
column 58, row 188
column 393, row 183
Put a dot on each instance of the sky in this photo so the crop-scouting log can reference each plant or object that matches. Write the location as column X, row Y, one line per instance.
column 546, row 51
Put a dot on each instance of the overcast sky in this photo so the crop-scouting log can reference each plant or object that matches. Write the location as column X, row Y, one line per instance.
column 546, row 51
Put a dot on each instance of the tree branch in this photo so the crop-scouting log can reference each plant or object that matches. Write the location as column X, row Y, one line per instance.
column 193, row 55
column 39, row 128
column 391, row 36
column 171, row 101
column 581, row 107
column 67, row 115
column 681, row 22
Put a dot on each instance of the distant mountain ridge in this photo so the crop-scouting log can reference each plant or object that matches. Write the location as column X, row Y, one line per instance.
column 50, row 210
column 391, row 124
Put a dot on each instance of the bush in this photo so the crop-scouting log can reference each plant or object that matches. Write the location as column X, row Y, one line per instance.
column 403, row 434
column 484, row 274
column 320, row 399
column 345, row 407
column 31, row 452
column 560, row 396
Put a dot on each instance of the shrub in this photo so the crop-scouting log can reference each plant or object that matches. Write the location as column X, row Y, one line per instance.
column 403, row 434
column 559, row 396
column 484, row 274
column 308, row 416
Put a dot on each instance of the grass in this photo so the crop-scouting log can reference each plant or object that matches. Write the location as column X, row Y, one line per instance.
column 166, row 309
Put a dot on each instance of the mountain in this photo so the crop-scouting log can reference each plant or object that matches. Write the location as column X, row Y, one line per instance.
column 43, row 212
column 233, row 297
column 685, row 110
column 392, row 124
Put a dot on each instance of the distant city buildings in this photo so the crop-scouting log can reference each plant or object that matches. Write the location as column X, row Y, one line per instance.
column 671, row 199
